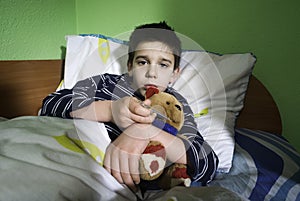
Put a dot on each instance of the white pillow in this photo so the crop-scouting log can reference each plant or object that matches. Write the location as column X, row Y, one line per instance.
column 91, row 55
column 214, row 85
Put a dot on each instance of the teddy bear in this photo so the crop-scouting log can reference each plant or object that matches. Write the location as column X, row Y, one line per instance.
column 153, row 160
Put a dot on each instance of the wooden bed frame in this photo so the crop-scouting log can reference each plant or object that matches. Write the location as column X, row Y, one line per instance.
column 24, row 84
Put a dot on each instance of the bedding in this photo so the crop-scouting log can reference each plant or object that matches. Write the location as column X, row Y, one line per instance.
column 48, row 158
column 213, row 84
column 39, row 162
column 265, row 167
column 42, row 159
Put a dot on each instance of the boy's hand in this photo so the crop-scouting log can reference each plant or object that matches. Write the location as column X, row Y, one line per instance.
column 128, row 110
column 122, row 156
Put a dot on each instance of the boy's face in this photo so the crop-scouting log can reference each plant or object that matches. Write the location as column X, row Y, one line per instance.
column 152, row 65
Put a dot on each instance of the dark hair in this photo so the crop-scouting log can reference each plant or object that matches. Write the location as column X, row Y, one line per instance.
column 155, row 32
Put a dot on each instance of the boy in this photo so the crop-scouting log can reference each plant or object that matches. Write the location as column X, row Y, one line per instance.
column 153, row 61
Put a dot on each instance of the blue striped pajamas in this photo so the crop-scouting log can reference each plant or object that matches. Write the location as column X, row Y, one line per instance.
column 201, row 160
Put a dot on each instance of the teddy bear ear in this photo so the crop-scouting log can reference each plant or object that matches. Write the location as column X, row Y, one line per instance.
column 178, row 107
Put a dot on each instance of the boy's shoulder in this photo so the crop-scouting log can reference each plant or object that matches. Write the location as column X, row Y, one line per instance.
column 114, row 78
column 177, row 94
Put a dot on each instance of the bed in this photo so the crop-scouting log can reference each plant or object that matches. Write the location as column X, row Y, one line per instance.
column 39, row 159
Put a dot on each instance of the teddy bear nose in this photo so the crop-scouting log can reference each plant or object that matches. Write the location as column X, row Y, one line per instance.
column 178, row 107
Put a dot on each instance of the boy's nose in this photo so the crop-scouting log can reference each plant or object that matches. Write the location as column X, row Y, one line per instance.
column 152, row 71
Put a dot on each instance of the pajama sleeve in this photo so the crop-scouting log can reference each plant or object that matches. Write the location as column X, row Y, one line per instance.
column 202, row 161
column 61, row 103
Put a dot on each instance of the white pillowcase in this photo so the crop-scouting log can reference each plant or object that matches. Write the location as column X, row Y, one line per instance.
column 214, row 85
column 92, row 55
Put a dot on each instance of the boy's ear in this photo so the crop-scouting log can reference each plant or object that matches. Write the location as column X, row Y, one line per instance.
column 129, row 68
column 176, row 74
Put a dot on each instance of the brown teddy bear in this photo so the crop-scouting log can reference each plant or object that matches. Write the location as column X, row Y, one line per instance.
column 153, row 159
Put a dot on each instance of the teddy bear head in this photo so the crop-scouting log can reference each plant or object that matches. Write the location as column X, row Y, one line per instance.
column 168, row 105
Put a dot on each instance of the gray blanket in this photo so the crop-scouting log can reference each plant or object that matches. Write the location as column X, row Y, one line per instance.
column 42, row 158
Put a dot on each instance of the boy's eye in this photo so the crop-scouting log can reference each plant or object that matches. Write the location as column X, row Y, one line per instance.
column 141, row 62
column 164, row 65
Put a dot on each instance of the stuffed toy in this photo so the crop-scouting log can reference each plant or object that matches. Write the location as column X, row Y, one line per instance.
column 170, row 118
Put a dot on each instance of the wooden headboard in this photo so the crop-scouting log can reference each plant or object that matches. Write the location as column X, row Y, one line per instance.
column 260, row 111
column 24, row 84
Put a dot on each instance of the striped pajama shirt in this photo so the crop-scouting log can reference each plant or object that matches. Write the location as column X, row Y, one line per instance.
column 201, row 160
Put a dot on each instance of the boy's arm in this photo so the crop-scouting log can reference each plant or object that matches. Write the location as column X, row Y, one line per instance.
column 81, row 98
column 122, row 112
column 174, row 146
column 91, row 99
column 58, row 104
column 96, row 111
column 202, row 162
column 190, row 148
column 63, row 102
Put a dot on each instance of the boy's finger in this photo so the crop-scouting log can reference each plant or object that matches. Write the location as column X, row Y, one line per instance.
column 106, row 162
column 115, row 166
column 147, row 102
column 134, row 169
column 140, row 108
column 126, row 177
column 143, row 119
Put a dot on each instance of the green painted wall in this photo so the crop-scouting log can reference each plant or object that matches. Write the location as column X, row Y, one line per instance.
column 35, row 29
